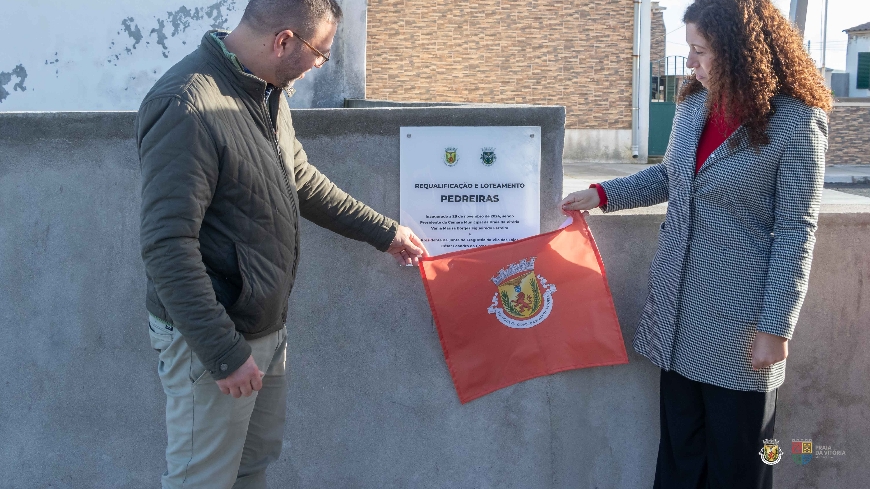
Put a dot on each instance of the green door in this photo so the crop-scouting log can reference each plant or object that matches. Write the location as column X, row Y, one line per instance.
column 661, row 118
column 667, row 75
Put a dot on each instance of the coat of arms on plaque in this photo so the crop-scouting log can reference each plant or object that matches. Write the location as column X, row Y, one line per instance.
column 450, row 157
column 487, row 156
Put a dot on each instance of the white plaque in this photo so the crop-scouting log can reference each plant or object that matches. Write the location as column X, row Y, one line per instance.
column 464, row 187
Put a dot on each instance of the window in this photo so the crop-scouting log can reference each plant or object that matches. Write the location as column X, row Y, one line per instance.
column 863, row 75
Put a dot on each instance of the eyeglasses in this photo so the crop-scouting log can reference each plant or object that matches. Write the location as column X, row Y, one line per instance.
column 321, row 58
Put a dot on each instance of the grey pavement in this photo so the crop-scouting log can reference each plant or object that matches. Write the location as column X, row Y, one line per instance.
column 839, row 180
column 862, row 189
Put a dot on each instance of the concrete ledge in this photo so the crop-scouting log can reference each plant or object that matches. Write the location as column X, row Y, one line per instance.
column 661, row 209
column 360, row 103
column 851, row 101
column 386, row 120
column 30, row 126
column 862, row 179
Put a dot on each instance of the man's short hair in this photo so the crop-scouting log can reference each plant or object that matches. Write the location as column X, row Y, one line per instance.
column 273, row 16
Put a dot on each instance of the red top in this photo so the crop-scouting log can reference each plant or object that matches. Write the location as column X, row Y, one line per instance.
column 715, row 132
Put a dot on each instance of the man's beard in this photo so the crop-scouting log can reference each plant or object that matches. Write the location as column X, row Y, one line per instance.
column 287, row 74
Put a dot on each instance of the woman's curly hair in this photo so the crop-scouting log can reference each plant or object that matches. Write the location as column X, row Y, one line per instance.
column 757, row 54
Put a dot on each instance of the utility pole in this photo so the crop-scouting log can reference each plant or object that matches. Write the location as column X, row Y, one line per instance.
column 824, row 37
column 797, row 14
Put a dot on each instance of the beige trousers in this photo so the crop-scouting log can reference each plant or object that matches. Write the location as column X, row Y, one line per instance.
column 215, row 440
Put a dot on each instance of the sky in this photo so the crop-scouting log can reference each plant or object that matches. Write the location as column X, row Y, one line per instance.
column 842, row 14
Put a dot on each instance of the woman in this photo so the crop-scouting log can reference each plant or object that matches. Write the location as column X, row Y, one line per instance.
column 743, row 177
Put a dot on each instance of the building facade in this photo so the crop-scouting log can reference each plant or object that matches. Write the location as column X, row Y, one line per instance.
column 658, row 34
column 858, row 60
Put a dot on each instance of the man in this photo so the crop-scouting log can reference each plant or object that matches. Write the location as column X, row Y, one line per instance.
column 224, row 182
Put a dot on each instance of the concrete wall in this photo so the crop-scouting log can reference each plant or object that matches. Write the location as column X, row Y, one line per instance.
column 840, row 84
column 96, row 55
column 344, row 76
column 598, row 145
column 371, row 403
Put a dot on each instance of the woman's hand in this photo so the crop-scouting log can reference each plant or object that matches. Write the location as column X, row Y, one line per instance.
column 768, row 349
column 580, row 201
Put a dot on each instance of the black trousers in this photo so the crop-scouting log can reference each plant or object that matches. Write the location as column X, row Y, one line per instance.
column 711, row 436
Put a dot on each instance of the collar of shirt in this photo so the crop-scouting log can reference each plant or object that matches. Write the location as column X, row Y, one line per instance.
column 219, row 36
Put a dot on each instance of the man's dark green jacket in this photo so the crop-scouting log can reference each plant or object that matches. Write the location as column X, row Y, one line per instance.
column 224, row 183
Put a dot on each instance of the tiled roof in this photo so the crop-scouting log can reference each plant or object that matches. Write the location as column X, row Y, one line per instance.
column 857, row 28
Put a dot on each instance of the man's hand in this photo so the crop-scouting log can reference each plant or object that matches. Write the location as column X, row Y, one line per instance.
column 768, row 349
column 580, row 201
column 407, row 248
column 244, row 381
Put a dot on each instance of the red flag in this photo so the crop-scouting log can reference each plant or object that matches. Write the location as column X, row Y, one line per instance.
column 514, row 311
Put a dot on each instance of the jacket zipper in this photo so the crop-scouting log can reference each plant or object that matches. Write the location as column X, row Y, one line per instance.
column 278, row 153
column 286, row 178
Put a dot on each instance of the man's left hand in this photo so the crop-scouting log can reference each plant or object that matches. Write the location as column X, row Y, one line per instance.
column 768, row 349
column 406, row 247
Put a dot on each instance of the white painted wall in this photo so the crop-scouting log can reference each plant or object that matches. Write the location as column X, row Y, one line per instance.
column 598, row 145
column 858, row 43
column 105, row 55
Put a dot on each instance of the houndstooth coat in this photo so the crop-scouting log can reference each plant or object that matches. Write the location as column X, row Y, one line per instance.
column 734, row 251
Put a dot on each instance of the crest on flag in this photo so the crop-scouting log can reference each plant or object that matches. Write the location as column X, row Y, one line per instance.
column 524, row 299
column 770, row 452
column 450, row 157
column 487, row 156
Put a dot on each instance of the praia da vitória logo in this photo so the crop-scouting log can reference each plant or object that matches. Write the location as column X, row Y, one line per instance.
column 802, row 451
column 523, row 299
